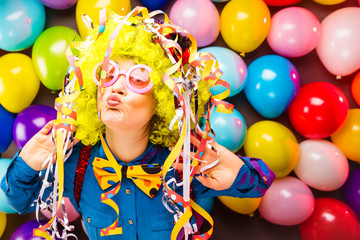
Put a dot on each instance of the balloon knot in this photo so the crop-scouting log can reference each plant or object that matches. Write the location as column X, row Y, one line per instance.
column 338, row 77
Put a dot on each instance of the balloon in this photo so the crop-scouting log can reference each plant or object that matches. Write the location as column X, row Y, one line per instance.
column 153, row 5
column 338, row 47
column 275, row 144
column 294, row 32
column 62, row 4
column 50, row 48
column 272, row 85
column 351, row 191
column 281, row 2
column 246, row 206
column 6, row 123
column 355, row 88
column 229, row 128
column 234, row 69
column 329, row 2
column 331, row 219
column 287, row 202
column 25, row 231
column 2, row 223
column 200, row 18
column 318, row 110
column 206, row 203
column 21, row 23
column 244, row 24
column 30, row 121
column 347, row 138
column 71, row 212
column 4, row 206
column 92, row 8
column 19, row 83
column 321, row 165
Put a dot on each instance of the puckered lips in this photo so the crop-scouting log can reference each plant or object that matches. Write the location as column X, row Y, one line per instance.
column 113, row 100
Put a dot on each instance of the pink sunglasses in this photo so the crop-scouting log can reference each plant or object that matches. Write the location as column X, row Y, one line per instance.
column 137, row 77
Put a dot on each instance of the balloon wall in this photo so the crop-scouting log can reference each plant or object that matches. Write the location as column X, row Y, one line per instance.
column 293, row 70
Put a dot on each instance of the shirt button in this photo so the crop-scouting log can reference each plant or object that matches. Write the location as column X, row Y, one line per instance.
column 131, row 222
column 89, row 220
column 127, row 191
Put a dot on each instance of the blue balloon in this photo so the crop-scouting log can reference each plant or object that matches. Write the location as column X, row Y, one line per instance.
column 4, row 206
column 6, row 123
column 233, row 67
column 272, row 85
column 230, row 129
column 206, row 203
column 21, row 21
column 153, row 4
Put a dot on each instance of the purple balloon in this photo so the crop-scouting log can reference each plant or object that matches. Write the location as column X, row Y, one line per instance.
column 25, row 231
column 351, row 191
column 59, row 4
column 29, row 121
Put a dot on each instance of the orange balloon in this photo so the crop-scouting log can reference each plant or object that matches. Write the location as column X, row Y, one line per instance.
column 92, row 8
column 347, row 138
column 355, row 88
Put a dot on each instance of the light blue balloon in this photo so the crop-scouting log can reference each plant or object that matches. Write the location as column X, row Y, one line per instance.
column 230, row 129
column 206, row 203
column 234, row 69
column 272, row 85
column 4, row 206
column 21, row 21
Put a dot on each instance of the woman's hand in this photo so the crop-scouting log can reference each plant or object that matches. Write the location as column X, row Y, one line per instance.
column 38, row 148
column 223, row 174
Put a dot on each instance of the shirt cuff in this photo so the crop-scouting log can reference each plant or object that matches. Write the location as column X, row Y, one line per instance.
column 19, row 170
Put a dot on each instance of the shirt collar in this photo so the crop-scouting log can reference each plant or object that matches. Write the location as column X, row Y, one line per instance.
column 144, row 158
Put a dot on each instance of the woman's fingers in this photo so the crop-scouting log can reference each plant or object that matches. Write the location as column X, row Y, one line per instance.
column 209, row 182
column 46, row 129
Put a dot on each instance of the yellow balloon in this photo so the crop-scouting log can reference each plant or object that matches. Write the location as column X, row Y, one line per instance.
column 2, row 223
column 92, row 8
column 347, row 138
column 329, row 2
column 275, row 144
column 244, row 24
column 246, row 206
column 19, row 83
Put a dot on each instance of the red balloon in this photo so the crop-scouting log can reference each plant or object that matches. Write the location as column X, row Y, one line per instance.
column 281, row 2
column 318, row 110
column 331, row 219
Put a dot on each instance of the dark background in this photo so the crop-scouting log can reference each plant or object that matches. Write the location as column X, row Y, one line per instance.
column 228, row 224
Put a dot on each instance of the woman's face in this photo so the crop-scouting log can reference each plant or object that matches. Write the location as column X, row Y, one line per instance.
column 123, row 109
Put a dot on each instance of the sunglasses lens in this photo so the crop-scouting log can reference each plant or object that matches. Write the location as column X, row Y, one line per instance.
column 139, row 78
column 109, row 75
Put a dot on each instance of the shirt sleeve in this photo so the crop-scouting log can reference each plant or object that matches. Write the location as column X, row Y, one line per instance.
column 252, row 181
column 21, row 185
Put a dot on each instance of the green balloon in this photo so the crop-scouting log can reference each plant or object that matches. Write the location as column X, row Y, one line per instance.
column 48, row 55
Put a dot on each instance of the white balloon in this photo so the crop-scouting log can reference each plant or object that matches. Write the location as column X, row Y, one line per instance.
column 322, row 165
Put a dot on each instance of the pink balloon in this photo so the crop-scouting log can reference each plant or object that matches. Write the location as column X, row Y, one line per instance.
column 200, row 18
column 287, row 202
column 321, row 165
column 338, row 47
column 294, row 32
column 71, row 213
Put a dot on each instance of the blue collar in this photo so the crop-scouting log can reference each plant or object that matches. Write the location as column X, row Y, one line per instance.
column 144, row 158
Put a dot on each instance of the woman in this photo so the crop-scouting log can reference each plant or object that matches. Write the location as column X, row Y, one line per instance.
column 126, row 95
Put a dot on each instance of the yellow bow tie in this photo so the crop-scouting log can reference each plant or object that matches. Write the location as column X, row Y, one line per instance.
column 145, row 176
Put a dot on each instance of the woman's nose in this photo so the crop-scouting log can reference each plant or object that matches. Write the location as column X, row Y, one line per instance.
column 120, row 86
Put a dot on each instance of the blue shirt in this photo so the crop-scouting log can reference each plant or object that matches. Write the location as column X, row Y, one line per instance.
column 140, row 217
